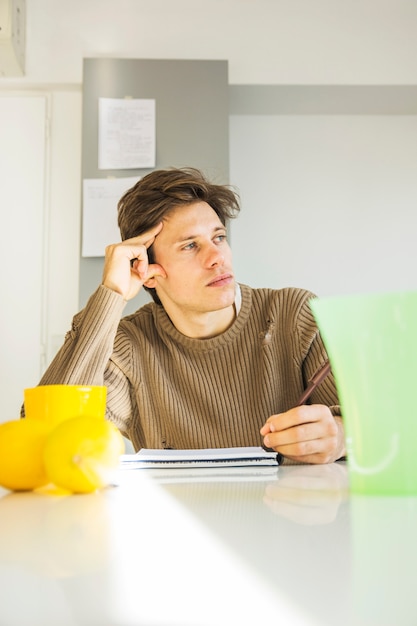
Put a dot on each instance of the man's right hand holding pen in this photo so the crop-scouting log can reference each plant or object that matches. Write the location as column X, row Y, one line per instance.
column 307, row 433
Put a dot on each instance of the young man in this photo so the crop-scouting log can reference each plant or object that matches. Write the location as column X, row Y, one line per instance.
column 209, row 363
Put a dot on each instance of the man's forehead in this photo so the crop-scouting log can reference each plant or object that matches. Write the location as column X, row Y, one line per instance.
column 199, row 216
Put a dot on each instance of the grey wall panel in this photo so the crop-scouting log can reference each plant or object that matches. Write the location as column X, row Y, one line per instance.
column 192, row 123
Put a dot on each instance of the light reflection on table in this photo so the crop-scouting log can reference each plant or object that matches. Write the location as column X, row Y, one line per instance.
column 164, row 548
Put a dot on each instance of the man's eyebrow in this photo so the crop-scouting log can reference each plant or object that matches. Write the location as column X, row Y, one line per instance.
column 216, row 229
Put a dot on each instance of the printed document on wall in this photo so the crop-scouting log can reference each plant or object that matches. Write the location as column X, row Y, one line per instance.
column 100, row 198
column 126, row 133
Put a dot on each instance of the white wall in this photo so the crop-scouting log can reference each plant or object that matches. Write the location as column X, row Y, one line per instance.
column 265, row 41
column 333, row 192
column 329, row 203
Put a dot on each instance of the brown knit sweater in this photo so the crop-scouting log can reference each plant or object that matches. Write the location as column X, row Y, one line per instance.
column 169, row 390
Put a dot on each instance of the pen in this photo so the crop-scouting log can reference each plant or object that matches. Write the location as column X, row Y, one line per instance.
column 314, row 382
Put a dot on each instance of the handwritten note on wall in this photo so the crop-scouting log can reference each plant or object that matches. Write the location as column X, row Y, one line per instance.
column 100, row 198
column 126, row 133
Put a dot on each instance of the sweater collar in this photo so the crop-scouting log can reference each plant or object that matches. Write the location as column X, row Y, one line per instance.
column 243, row 300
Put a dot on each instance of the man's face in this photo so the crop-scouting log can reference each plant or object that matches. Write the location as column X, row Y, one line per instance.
column 194, row 252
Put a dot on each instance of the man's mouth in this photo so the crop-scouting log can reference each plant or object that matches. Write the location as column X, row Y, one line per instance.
column 220, row 281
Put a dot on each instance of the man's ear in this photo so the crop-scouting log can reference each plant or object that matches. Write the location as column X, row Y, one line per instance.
column 158, row 270
column 151, row 283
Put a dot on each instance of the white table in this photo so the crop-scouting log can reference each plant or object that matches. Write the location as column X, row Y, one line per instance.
column 291, row 548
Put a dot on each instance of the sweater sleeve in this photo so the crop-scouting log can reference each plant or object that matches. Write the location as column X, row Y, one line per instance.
column 315, row 356
column 85, row 357
column 85, row 354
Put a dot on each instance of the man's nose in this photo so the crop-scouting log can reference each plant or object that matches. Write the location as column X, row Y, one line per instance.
column 214, row 256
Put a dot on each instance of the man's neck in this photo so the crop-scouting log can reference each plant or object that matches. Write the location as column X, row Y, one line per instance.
column 203, row 325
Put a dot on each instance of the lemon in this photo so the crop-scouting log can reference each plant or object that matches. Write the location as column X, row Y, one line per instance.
column 81, row 453
column 21, row 454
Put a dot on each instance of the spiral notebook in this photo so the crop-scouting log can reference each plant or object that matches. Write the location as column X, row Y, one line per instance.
column 206, row 457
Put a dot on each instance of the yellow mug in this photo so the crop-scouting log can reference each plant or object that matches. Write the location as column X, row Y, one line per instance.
column 56, row 403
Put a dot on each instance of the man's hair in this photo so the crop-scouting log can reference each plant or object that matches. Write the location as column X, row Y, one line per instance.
column 155, row 195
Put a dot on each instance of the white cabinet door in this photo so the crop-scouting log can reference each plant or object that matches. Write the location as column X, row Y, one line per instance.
column 23, row 166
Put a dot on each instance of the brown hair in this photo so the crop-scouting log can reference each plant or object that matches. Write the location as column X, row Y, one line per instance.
column 145, row 205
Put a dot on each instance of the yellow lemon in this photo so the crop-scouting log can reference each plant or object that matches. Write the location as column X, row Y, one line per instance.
column 21, row 454
column 81, row 454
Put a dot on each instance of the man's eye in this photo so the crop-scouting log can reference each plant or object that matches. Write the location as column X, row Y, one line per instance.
column 189, row 246
column 221, row 238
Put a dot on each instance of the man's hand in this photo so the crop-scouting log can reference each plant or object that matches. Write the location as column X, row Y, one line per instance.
column 126, row 264
column 308, row 434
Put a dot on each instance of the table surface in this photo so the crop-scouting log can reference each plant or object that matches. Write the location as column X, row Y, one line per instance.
column 163, row 548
